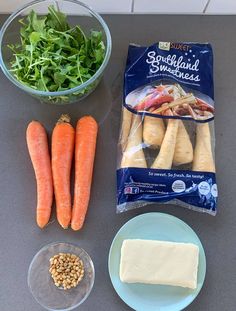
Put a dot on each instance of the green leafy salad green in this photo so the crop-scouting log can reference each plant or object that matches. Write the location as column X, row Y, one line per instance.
column 52, row 55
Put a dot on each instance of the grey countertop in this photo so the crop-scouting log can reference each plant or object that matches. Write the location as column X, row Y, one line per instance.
column 20, row 237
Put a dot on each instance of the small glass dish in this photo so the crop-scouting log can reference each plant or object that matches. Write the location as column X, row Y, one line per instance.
column 41, row 284
column 77, row 13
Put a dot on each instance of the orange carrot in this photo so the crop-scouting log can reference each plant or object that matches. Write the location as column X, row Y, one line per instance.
column 85, row 145
column 37, row 143
column 63, row 137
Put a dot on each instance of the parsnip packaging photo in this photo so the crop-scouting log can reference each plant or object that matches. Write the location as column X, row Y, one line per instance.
column 166, row 144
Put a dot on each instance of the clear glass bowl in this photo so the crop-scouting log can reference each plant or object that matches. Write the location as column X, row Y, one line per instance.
column 78, row 13
column 41, row 283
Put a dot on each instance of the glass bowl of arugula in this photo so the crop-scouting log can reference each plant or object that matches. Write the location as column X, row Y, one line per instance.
column 55, row 50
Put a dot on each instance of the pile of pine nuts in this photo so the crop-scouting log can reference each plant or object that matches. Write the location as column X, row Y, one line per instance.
column 67, row 270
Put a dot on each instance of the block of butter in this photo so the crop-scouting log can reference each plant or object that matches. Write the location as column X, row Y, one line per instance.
column 159, row 262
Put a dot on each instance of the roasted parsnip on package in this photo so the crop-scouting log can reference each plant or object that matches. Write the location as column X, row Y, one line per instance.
column 166, row 144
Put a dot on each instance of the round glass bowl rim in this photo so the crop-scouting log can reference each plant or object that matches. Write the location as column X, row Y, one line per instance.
column 65, row 92
column 32, row 262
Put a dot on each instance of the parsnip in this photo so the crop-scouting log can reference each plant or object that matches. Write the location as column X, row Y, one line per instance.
column 165, row 157
column 183, row 147
column 153, row 131
column 125, row 127
column 203, row 158
column 133, row 156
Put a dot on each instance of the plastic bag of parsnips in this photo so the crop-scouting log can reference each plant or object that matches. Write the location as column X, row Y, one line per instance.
column 166, row 143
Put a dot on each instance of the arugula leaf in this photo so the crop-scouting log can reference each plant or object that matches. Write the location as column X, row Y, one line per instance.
column 56, row 19
column 36, row 23
column 34, row 38
column 54, row 56
column 59, row 78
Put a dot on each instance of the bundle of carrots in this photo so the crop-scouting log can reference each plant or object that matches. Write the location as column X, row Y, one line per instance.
column 53, row 175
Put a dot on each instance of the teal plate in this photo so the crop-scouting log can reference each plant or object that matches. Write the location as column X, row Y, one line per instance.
column 142, row 297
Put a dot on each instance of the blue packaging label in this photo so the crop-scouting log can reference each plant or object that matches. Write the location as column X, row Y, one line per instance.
column 198, row 189
column 172, row 79
column 161, row 159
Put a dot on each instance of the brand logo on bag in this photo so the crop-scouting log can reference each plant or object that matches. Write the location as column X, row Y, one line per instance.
column 131, row 190
column 184, row 68
column 164, row 46
column 180, row 46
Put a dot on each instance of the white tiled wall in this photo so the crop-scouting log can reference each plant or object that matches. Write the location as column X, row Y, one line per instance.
column 102, row 6
column 169, row 6
column 221, row 6
column 146, row 6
